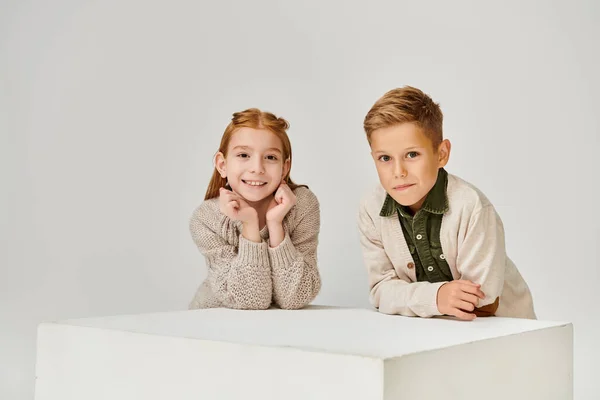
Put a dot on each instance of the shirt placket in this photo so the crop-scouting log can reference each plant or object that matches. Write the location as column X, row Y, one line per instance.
column 430, row 267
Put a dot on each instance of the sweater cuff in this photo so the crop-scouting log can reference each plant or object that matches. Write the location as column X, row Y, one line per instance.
column 253, row 253
column 284, row 254
column 428, row 296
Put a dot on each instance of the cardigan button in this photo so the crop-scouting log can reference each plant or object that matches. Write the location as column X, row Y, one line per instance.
column 410, row 265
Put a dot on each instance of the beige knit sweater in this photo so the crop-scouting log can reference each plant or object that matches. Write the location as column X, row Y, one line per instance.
column 246, row 275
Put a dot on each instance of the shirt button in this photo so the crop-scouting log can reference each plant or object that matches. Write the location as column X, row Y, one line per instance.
column 443, row 257
column 410, row 265
column 419, row 236
column 430, row 268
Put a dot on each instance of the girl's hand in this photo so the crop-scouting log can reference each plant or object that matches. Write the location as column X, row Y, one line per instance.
column 234, row 207
column 282, row 203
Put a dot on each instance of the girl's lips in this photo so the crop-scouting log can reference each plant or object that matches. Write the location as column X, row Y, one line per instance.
column 247, row 183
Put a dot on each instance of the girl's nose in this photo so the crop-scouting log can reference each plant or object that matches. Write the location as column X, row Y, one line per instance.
column 257, row 167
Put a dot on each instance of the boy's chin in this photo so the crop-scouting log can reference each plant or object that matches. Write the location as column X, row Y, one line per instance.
column 403, row 201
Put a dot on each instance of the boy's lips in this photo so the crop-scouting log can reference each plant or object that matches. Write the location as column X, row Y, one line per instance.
column 403, row 187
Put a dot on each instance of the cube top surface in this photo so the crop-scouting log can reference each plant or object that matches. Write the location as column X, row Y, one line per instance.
column 358, row 332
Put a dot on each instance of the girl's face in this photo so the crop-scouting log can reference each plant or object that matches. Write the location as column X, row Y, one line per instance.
column 254, row 165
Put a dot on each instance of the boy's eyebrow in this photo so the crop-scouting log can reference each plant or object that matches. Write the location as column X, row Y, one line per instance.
column 406, row 149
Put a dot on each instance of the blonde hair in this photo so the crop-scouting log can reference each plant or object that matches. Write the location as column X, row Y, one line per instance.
column 407, row 104
column 257, row 119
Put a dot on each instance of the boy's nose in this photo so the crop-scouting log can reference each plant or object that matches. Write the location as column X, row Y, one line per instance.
column 399, row 170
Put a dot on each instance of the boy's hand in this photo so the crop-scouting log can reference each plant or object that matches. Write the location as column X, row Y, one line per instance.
column 234, row 207
column 459, row 298
column 282, row 203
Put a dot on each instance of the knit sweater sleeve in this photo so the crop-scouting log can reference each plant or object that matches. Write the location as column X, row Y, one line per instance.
column 239, row 274
column 296, row 278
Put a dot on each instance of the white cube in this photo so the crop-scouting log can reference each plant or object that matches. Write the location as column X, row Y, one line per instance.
column 314, row 353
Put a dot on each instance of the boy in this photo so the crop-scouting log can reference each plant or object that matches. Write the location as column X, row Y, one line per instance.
column 433, row 244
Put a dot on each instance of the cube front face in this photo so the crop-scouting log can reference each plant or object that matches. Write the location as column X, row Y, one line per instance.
column 535, row 365
column 75, row 362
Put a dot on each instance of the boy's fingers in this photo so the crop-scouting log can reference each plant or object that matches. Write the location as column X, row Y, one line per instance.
column 470, row 298
column 473, row 290
column 465, row 316
column 464, row 305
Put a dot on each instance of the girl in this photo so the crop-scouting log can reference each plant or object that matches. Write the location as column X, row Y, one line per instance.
column 257, row 230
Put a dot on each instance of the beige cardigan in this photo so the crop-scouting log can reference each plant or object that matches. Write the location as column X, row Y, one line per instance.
column 246, row 275
column 472, row 239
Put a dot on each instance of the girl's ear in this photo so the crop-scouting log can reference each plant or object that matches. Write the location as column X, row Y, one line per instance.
column 221, row 164
column 444, row 153
column 286, row 169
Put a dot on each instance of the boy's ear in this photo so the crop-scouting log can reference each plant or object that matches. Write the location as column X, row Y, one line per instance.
column 220, row 164
column 444, row 153
column 286, row 168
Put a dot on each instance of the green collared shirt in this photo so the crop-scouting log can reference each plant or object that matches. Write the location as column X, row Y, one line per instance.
column 422, row 231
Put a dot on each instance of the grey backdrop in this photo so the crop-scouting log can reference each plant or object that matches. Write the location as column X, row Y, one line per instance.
column 110, row 112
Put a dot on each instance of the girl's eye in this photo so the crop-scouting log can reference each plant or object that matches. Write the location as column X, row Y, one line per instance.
column 243, row 155
column 384, row 158
column 272, row 158
column 412, row 154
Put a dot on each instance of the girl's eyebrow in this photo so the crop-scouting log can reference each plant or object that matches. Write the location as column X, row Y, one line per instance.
column 241, row 148
column 249, row 148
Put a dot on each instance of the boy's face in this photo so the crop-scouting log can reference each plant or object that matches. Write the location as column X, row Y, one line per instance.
column 407, row 163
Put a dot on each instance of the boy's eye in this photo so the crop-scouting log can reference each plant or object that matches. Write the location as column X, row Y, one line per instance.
column 412, row 154
column 384, row 158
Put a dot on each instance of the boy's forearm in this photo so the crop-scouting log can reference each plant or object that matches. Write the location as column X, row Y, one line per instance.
column 396, row 296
